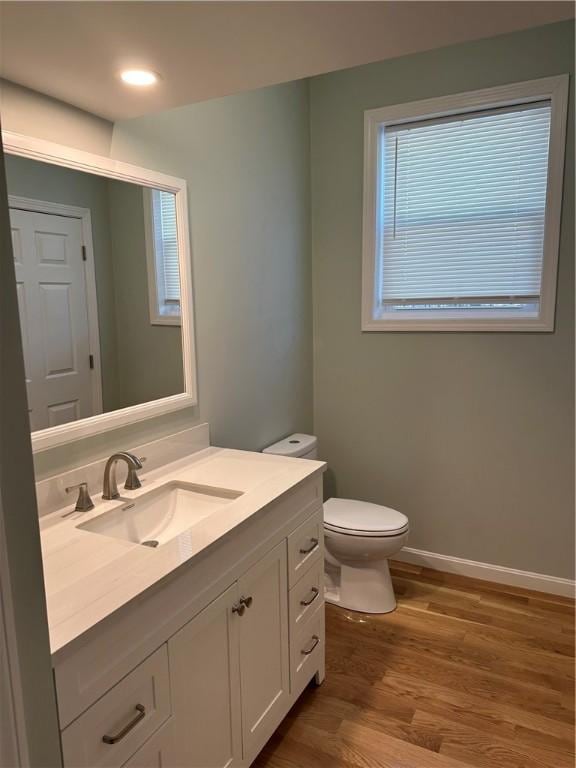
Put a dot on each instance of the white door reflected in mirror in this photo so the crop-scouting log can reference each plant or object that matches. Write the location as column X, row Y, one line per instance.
column 51, row 287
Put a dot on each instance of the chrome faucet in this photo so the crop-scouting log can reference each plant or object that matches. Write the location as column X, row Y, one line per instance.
column 110, row 489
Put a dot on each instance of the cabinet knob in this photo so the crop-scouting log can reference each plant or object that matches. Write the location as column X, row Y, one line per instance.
column 239, row 608
column 247, row 601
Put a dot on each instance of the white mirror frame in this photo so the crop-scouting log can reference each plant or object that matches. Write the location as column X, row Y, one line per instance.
column 67, row 157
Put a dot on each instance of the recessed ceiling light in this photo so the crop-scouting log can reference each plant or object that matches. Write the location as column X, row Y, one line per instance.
column 139, row 77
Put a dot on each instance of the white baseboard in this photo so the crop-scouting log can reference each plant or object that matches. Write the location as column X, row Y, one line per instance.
column 497, row 573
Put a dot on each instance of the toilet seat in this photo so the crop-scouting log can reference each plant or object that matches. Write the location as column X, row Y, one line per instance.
column 360, row 518
column 372, row 534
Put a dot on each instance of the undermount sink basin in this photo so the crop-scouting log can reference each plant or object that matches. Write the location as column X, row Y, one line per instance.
column 158, row 516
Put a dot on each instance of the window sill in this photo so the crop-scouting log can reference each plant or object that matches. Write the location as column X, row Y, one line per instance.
column 449, row 325
column 166, row 320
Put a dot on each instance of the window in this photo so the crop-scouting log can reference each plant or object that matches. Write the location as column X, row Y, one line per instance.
column 462, row 210
column 162, row 257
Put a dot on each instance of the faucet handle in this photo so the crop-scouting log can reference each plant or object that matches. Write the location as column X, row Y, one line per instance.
column 83, row 503
column 132, row 480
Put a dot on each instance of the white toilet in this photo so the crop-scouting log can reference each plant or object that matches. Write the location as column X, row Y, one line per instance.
column 360, row 538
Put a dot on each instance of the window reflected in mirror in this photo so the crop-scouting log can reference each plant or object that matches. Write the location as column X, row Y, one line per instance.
column 162, row 257
column 98, row 281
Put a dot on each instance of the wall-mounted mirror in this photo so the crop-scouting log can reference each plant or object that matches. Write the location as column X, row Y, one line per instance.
column 102, row 269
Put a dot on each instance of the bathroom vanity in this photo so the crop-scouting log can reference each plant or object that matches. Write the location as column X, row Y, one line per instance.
column 191, row 652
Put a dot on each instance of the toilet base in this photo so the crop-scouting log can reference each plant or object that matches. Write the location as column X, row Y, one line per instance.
column 366, row 588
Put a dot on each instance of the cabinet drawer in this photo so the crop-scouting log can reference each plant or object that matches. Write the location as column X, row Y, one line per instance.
column 119, row 723
column 305, row 546
column 158, row 752
column 307, row 652
column 306, row 595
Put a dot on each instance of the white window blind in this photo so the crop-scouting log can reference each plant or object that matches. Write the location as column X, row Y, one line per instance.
column 462, row 205
column 166, row 246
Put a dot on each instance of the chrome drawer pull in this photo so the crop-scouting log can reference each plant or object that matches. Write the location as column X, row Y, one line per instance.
column 315, row 641
column 311, row 548
column 314, row 592
column 141, row 709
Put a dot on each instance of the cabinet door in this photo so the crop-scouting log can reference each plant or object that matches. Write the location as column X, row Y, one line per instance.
column 157, row 752
column 205, row 684
column 264, row 655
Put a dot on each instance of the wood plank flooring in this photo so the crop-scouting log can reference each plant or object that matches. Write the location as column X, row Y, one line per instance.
column 463, row 674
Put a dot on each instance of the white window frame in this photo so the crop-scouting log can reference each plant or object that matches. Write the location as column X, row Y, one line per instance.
column 155, row 299
column 554, row 89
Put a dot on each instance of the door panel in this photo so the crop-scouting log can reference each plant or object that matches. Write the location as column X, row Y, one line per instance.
column 63, row 413
column 52, row 247
column 23, row 312
column 205, row 682
column 53, row 314
column 57, row 320
column 264, row 649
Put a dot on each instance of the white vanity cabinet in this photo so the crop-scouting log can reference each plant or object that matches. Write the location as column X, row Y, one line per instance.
column 264, row 649
column 205, row 686
column 200, row 672
column 229, row 669
column 110, row 731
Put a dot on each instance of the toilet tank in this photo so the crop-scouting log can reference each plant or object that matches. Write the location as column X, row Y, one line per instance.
column 297, row 446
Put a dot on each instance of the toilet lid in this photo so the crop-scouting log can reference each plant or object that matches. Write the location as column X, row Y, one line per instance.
column 362, row 518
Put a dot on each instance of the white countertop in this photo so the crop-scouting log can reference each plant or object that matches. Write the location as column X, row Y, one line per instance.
column 88, row 576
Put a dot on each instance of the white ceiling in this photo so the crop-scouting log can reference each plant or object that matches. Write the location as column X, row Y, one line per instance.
column 74, row 50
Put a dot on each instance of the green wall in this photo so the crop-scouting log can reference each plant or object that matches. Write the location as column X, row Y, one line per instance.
column 245, row 158
column 470, row 434
column 149, row 357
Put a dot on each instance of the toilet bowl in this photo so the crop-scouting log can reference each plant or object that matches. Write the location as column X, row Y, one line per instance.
column 360, row 537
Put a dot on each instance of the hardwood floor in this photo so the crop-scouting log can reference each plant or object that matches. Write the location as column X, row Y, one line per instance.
column 463, row 673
